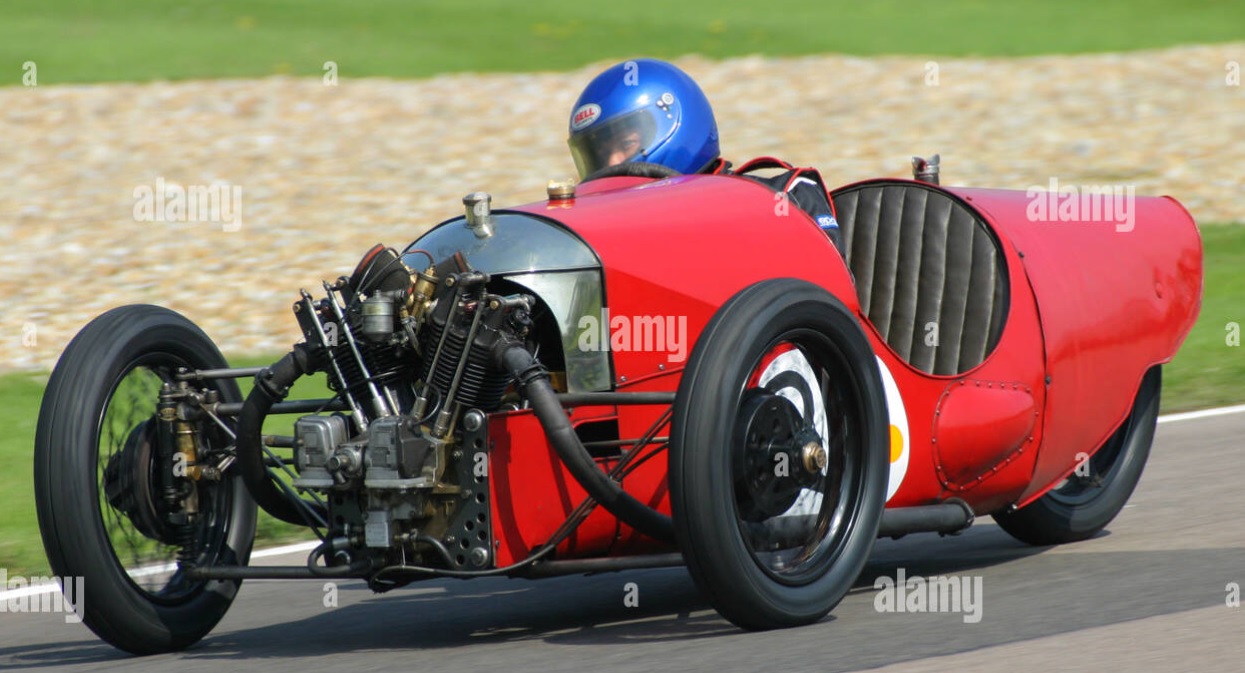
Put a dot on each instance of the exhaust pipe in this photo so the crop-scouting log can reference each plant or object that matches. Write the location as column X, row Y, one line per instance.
column 945, row 518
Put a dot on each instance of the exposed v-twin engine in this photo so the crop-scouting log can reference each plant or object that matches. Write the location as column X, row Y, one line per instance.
column 412, row 355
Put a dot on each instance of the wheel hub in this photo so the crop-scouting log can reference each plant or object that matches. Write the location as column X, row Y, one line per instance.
column 130, row 480
column 781, row 456
column 815, row 457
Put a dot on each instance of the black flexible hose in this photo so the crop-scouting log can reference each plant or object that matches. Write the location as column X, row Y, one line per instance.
column 356, row 568
column 533, row 383
column 271, row 386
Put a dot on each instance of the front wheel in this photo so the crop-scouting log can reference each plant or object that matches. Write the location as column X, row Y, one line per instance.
column 779, row 455
column 108, row 511
column 1084, row 503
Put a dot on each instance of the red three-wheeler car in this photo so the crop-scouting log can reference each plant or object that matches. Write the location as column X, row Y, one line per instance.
column 642, row 370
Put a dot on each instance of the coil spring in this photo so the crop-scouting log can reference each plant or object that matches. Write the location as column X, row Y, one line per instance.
column 188, row 544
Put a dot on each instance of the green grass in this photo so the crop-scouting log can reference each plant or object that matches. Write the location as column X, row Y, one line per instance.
column 138, row 40
column 1207, row 372
column 20, row 548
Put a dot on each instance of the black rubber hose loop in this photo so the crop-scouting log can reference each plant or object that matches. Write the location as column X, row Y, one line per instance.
column 356, row 568
column 271, row 386
column 533, row 383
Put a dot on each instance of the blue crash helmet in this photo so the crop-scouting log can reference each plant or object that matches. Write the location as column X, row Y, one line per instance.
column 643, row 110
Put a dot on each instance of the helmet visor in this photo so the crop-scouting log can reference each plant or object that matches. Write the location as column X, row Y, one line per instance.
column 613, row 142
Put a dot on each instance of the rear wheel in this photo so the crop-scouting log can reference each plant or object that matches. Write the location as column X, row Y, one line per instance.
column 1084, row 503
column 779, row 455
column 106, row 510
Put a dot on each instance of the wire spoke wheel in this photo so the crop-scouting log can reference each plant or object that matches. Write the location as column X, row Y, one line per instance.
column 127, row 479
column 132, row 509
column 113, row 507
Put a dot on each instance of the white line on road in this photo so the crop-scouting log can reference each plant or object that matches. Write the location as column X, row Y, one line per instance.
column 1204, row 413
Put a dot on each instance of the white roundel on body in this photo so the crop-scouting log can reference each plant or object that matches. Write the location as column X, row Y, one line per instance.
column 789, row 375
column 898, row 431
column 795, row 362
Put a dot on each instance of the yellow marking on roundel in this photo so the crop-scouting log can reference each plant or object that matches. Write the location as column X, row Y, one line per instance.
column 896, row 443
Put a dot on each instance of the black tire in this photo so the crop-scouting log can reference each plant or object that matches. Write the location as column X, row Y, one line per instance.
column 99, row 388
column 1084, row 504
column 805, row 564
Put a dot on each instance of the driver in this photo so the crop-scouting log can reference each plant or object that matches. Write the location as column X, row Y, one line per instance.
column 651, row 111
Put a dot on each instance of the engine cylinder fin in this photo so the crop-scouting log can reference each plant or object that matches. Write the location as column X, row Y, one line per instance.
column 482, row 385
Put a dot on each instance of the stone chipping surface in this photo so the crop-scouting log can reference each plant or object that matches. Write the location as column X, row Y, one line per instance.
column 326, row 171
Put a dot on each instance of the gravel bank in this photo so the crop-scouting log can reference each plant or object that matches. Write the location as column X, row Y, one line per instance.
column 327, row 171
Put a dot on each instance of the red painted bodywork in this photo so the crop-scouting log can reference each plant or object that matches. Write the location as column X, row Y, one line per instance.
column 1115, row 299
column 1091, row 310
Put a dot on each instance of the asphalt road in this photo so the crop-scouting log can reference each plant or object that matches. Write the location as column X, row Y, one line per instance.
column 1150, row 594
